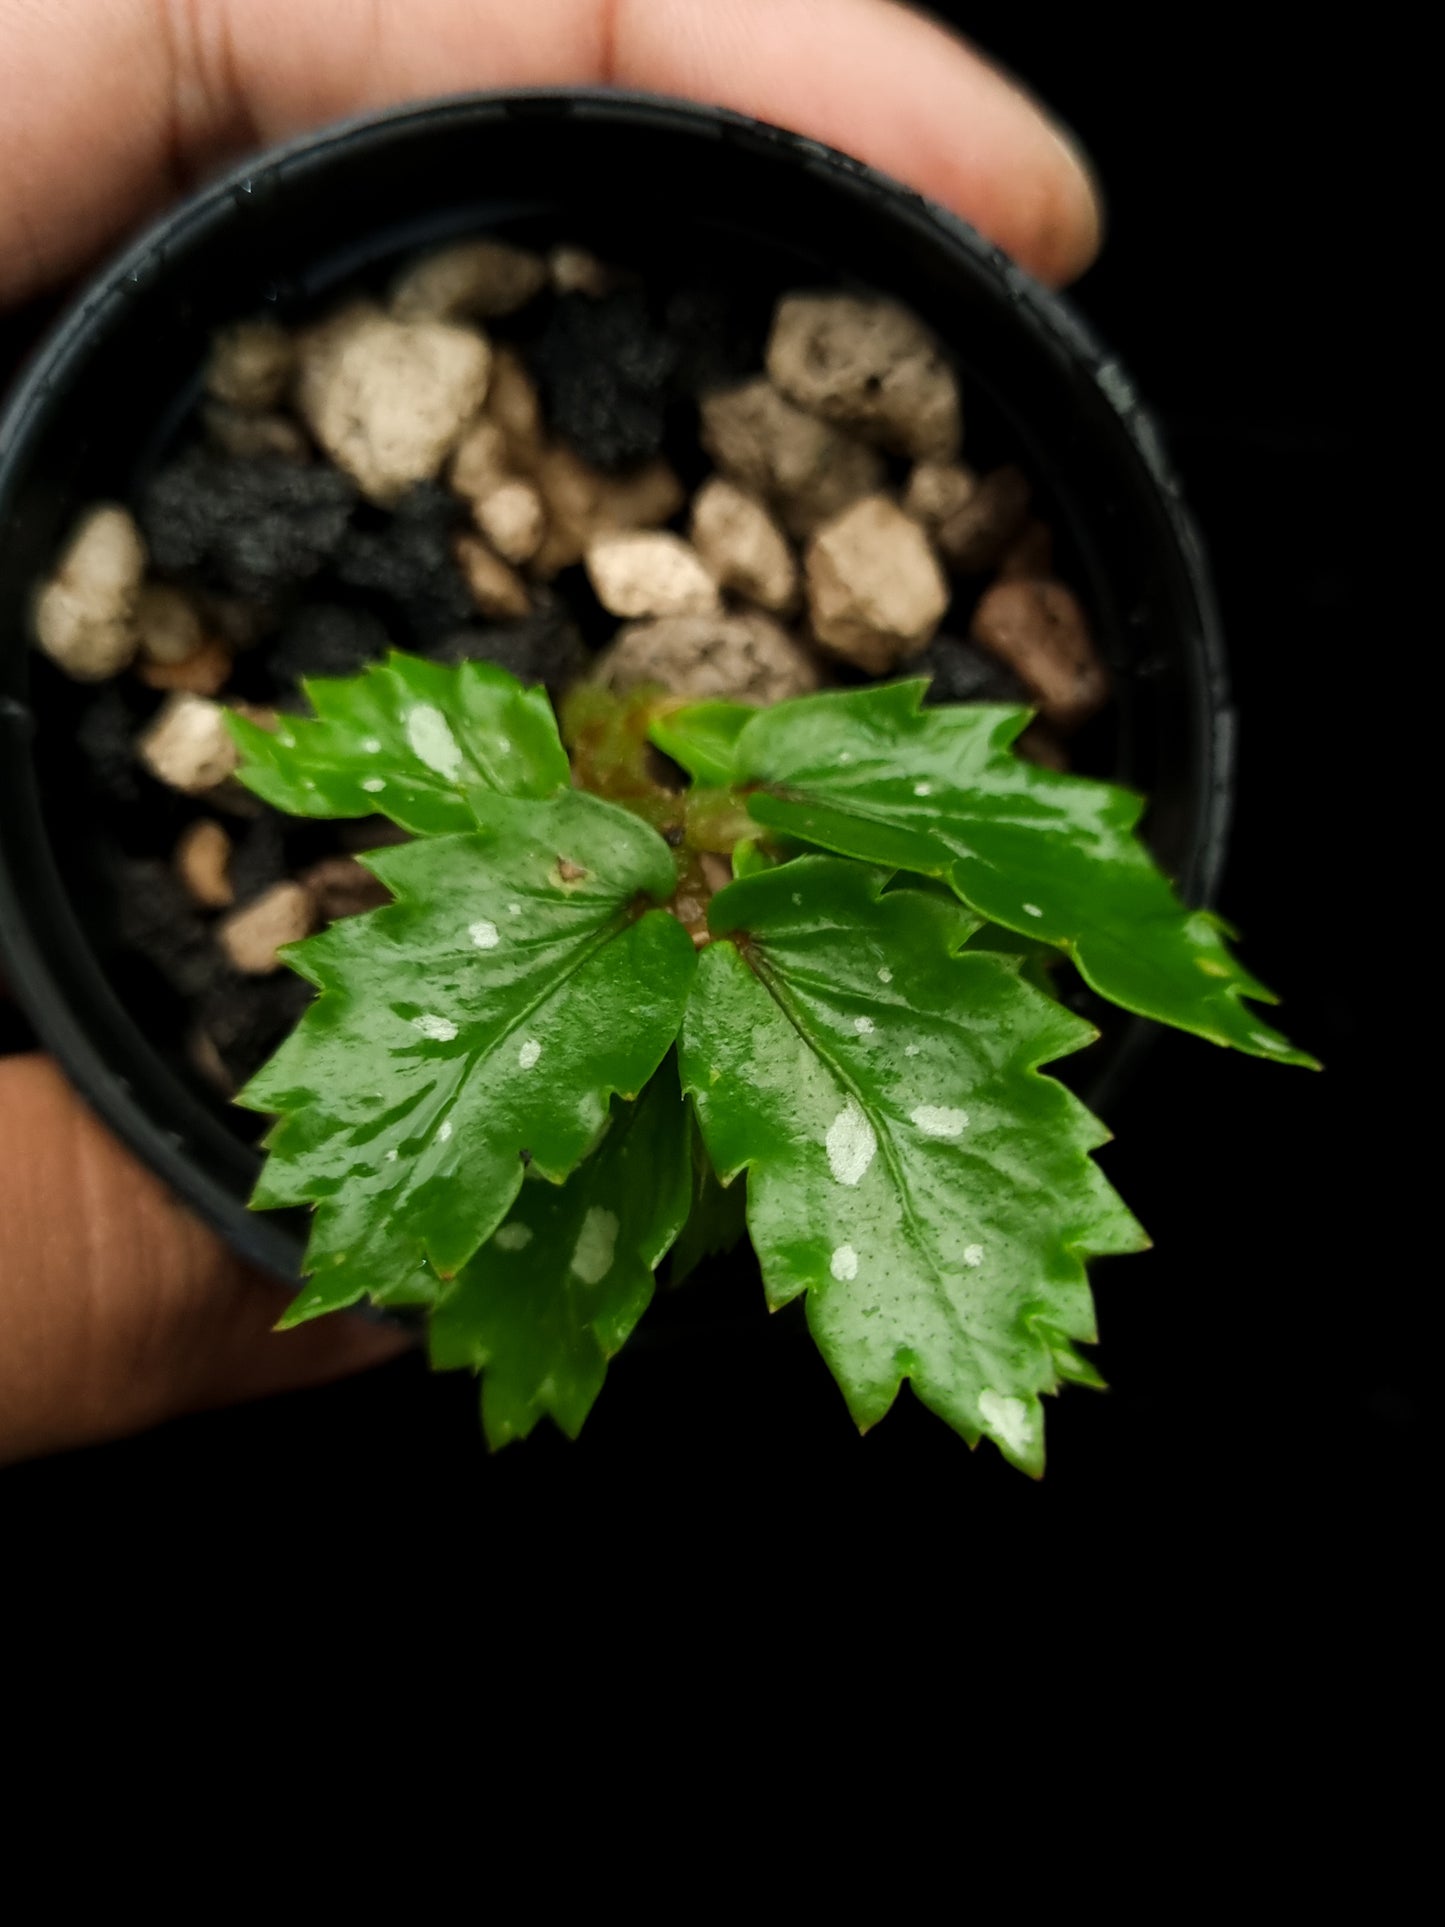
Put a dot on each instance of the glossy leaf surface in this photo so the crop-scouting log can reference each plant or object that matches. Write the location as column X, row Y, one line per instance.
column 480, row 1024
column 557, row 1290
column 908, row 1166
column 425, row 745
column 868, row 773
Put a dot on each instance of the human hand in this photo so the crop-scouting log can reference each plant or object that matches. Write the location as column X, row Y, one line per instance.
column 117, row 1308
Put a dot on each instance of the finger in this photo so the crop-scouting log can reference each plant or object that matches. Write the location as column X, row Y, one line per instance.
column 117, row 1307
column 108, row 109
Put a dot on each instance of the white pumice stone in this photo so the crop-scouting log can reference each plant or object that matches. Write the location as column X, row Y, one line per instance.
column 476, row 279
column 807, row 468
column 870, row 364
column 745, row 658
column 251, row 366
column 168, row 624
column 649, row 573
column 876, row 592
column 513, row 519
column 187, row 745
column 253, row 935
column 85, row 614
column 387, row 400
column 741, row 543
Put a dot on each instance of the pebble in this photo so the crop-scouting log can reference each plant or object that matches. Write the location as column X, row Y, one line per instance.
column 808, row 469
column 577, row 271
column 583, row 501
column 875, row 590
column 253, row 528
column 496, row 588
column 202, row 860
column 205, row 672
column 234, row 432
column 388, row 399
column 938, row 490
column 513, row 518
column 325, row 639
column 339, row 886
column 605, row 370
column 85, row 615
column 168, row 624
column 1040, row 631
column 742, row 544
column 411, row 560
column 871, row 365
column 480, row 280
column 251, row 938
column 745, row 658
column 483, row 459
column 515, row 405
column 974, row 535
column 544, row 647
column 251, row 366
column 649, row 573
column 187, row 746
column 961, row 672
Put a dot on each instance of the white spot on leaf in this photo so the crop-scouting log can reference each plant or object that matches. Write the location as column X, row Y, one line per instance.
column 529, row 1053
column 514, row 909
column 973, row 1255
column 441, row 1030
column 483, row 934
column 863, row 1026
column 912, row 1050
column 372, row 745
column 885, row 975
column 432, row 741
column 513, row 1237
column 1032, row 910
column 596, row 1244
column 936, row 1120
column 850, row 1144
column 391, row 1156
column 923, row 789
column 444, row 1130
column 1267, row 1042
column 1008, row 1419
column 844, row 1262
column 373, row 785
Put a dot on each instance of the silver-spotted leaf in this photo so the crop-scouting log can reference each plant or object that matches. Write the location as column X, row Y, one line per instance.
column 480, row 1024
column 423, row 744
column 558, row 1288
column 869, row 773
column 907, row 1165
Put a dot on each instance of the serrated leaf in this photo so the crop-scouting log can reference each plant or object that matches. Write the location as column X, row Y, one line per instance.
column 480, row 1023
column 869, row 773
column 423, row 744
column 908, row 1166
column 717, row 1215
column 703, row 737
column 557, row 1290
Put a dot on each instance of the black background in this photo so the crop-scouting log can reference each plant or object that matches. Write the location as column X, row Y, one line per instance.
column 1267, row 1421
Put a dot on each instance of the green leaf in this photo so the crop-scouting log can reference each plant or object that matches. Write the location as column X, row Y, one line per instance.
column 870, row 774
column 558, row 1289
column 703, row 738
column 908, row 1167
column 717, row 1217
column 426, row 745
column 478, row 1025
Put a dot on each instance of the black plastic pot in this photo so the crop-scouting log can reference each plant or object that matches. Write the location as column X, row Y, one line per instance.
column 640, row 179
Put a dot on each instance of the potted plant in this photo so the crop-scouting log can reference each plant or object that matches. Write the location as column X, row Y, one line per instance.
column 676, row 951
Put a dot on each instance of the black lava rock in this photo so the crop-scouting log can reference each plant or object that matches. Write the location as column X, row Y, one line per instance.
column 961, row 672
column 156, row 918
column 545, row 647
column 325, row 639
column 719, row 334
column 259, row 858
column 246, row 1018
column 408, row 560
column 105, row 736
column 605, row 371
column 255, row 527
